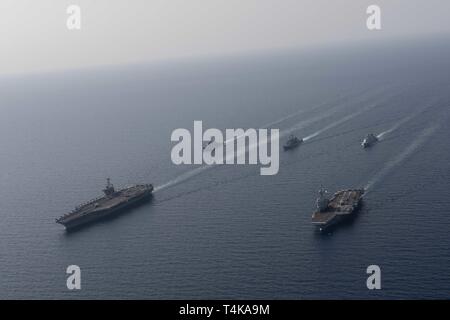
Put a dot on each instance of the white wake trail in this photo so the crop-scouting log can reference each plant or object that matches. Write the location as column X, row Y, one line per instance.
column 300, row 125
column 304, row 123
column 407, row 152
column 400, row 123
column 181, row 178
column 194, row 172
column 338, row 122
column 290, row 116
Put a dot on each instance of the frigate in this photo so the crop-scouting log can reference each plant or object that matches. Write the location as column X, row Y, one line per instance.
column 370, row 140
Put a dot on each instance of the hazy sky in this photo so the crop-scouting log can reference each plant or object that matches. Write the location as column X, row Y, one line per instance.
column 34, row 36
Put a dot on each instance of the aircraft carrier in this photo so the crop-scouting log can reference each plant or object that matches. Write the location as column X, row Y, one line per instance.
column 114, row 201
column 343, row 204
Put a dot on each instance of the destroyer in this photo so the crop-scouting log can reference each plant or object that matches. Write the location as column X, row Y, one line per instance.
column 370, row 140
column 114, row 201
column 341, row 205
column 292, row 142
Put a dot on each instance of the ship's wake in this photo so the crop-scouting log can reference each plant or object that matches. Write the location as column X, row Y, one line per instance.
column 194, row 172
column 338, row 122
column 293, row 115
column 400, row 123
column 299, row 125
column 400, row 158
column 181, row 178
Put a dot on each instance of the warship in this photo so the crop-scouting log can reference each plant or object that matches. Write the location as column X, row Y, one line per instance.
column 114, row 201
column 292, row 142
column 207, row 143
column 369, row 140
column 343, row 204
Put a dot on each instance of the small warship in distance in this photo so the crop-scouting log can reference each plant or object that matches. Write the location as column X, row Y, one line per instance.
column 370, row 140
column 292, row 143
column 342, row 205
column 205, row 144
column 114, row 201
column 211, row 145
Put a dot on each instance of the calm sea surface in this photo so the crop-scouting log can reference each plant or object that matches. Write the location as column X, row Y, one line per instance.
column 227, row 232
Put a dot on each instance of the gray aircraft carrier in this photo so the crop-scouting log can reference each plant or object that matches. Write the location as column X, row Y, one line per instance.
column 343, row 204
column 114, row 201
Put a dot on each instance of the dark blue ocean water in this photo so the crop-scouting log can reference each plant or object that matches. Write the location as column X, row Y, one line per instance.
column 227, row 232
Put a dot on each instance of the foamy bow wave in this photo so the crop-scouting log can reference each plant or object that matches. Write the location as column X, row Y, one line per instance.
column 405, row 154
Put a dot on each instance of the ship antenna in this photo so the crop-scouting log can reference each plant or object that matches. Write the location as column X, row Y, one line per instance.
column 322, row 201
column 109, row 190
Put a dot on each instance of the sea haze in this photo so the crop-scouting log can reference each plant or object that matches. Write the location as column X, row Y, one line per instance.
column 228, row 232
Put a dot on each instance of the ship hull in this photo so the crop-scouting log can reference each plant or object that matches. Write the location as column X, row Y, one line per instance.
column 106, row 213
column 367, row 144
column 290, row 147
column 342, row 207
